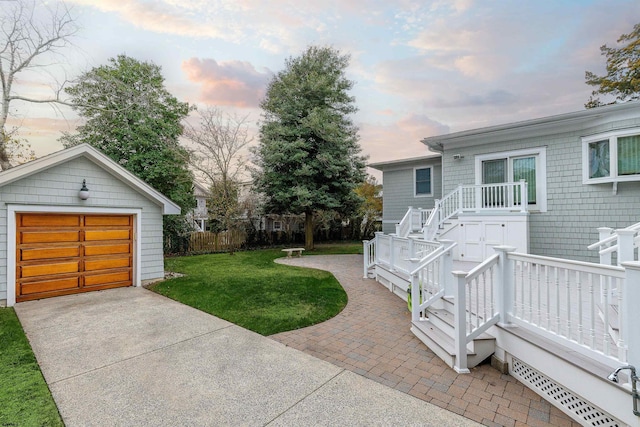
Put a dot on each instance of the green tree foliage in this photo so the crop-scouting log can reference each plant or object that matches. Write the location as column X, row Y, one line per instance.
column 308, row 155
column 623, row 71
column 132, row 118
column 370, row 211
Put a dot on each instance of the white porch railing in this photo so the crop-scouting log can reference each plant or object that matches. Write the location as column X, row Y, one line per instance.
column 430, row 279
column 507, row 195
column 621, row 242
column 396, row 253
column 413, row 221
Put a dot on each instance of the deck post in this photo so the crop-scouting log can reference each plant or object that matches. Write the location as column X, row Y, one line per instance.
column 447, row 267
column 603, row 233
column 630, row 312
column 392, row 255
column 367, row 258
column 524, row 196
column 625, row 245
column 412, row 248
column 416, row 290
column 503, row 287
column 460, row 321
column 378, row 234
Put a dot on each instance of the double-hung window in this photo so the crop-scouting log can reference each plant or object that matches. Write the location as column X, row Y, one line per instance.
column 422, row 181
column 611, row 157
column 512, row 167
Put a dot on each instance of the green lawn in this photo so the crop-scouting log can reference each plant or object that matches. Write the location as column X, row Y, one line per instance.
column 25, row 397
column 252, row 291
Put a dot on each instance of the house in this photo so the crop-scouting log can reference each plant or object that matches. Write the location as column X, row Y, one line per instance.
column 415, row 182
column 529, row 257
column 75, row 221
column 199, row 216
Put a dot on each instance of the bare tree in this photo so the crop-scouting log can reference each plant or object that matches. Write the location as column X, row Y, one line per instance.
column 217, row 146
column 26, row 36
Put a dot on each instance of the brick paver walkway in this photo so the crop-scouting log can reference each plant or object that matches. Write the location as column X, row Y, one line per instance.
column 371, row 337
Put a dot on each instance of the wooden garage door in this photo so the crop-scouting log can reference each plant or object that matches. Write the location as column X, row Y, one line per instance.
column 60, row 254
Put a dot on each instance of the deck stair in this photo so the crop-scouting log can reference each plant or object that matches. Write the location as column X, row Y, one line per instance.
column 436, row 331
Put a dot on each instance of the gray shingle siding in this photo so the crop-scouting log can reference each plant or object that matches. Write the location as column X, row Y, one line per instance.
column 574, row 210
column 398, row 192
column 59, row 186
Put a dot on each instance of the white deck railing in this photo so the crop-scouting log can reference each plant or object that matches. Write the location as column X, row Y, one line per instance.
column 413, row 221
column 623, row 243
column 485, row 197
column 395, row 253
column 430, row 279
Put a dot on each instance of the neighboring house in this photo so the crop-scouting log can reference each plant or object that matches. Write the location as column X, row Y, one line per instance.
column 413, row 182
column 200, row 214
column 530, row 256
column 76, row 221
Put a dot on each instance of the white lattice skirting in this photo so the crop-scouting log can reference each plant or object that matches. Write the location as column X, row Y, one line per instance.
column 573, row 405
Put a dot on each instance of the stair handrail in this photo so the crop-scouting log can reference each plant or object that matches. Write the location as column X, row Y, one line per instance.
column 403, row 228
column 440, row 278
column 612, row 238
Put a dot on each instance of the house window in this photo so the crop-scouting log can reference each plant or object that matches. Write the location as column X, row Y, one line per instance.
column 277, row 225
column 611, row 157
column 514, row 166
column 202, row 203
column 422, row 180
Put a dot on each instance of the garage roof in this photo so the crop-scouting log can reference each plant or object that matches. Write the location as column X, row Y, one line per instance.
column 95, row 156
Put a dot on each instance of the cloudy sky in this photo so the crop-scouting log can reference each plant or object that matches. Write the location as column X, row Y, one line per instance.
column 421, row 68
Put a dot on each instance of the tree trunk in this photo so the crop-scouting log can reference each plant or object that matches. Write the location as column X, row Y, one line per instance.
column 308, row 230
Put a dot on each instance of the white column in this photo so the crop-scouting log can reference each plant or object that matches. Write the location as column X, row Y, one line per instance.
column 459, row 322
column 603, row 233
column 630, row 312
column 392, row 254
column 524, row 196
column 625, row 245
column 377, row 243
column 503, row 287
column 366, row 258
column 415, row 292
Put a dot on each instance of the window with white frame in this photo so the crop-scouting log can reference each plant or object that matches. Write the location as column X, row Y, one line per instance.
column 611, row 157
column 422, row 182
column 277, row 225
column 529, row 165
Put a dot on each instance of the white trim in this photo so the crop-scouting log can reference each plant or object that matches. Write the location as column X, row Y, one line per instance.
column 415, row 189
column 13, row 209
column 280, row 227
column 541, row 171
column 92, row 154
column 612, row 137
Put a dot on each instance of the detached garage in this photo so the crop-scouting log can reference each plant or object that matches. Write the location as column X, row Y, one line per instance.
column 75, row 221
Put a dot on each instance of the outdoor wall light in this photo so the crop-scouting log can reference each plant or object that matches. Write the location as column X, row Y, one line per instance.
column 84, row 191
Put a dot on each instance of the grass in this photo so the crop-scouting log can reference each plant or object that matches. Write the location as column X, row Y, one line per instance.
column 252, row 291
column 336, row 248
column 26, row 399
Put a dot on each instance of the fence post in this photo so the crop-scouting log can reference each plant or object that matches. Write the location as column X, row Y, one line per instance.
column 377, row 234
column 524, row 196
column 415, row 291
column 412, row 248
column 625, row 245
column 460, row 321
column 603, row 233
column 630, row 312
column 366, row 258
column 447, row 267
column 503, row 286
column 392, row 255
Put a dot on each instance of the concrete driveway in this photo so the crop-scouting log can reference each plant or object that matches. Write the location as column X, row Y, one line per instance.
column 129, row 357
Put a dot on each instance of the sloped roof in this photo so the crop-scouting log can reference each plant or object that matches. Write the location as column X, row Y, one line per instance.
column 535, row 127
column 404, row 162
column 95, row 156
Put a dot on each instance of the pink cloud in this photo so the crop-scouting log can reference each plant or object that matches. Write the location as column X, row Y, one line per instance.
column 398, row 140
column 231, row 83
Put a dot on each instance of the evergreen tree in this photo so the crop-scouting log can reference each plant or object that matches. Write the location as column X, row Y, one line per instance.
column 132, row 118
column 308, row 155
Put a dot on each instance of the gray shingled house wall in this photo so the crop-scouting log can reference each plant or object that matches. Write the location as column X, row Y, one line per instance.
column 574, row 210
column 398, row 191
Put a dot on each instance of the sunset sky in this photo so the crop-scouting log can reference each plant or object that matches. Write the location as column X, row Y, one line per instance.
column 420, row 68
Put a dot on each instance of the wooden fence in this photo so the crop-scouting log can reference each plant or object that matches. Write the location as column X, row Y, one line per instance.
column 216, row 242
